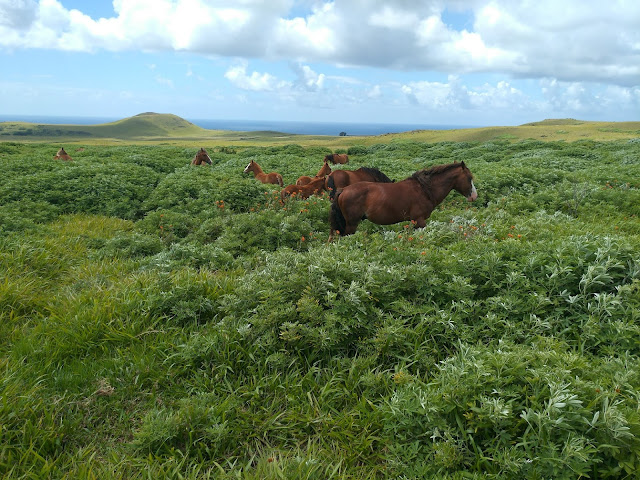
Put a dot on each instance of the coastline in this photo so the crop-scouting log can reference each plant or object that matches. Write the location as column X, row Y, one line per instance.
column 285, row 126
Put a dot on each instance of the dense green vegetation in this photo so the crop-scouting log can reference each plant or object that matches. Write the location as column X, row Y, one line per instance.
column 159, row 320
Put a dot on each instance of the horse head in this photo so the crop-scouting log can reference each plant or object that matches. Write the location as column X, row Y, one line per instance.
column 464, row 183
column 249, row 167
column 62, row 155
column 203, row 156
column 325, row 170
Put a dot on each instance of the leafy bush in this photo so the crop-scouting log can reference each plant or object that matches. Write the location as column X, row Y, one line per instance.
column 181, row 321
column 533, row 411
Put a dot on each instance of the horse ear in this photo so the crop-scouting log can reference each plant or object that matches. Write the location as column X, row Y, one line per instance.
column 462, row 164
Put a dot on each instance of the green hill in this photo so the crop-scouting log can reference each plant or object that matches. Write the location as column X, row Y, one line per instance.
column 148, row 125
column 142, row 126
column 170, row 129
column 554, row 121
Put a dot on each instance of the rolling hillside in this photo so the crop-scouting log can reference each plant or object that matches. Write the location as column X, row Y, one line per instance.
column 170, row 129
column 139, row 127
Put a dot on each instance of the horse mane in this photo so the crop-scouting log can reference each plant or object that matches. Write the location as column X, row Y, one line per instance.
column 425, row 177
column 377, row 174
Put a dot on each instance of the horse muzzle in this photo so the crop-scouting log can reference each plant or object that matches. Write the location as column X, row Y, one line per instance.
column 473, row 195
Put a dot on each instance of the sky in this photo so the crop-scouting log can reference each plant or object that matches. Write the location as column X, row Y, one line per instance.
column 426, row 62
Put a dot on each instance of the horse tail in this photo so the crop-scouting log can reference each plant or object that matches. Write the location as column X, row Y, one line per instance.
column 336, row 218
column 331, row 187
column 280, row 181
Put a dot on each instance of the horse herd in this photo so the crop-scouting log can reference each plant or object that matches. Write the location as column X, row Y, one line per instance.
column 366, row 193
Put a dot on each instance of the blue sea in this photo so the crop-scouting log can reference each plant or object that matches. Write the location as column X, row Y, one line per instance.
column 302, row 128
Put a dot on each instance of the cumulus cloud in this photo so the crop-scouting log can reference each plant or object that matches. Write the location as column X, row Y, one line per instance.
column 17, row 14
column 454, row 96
column 254, row 81
column 307, row 78
column 573, row 40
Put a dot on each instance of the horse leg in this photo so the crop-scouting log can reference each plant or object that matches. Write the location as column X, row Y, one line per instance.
column 336, row 220
column 352, row 217
column 350, row 228
column 419, row 222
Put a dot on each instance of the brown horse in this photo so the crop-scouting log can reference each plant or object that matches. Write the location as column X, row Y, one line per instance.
column 62, row 155
column 411, row 199
column 323, row 172
column 272, row 177
column 341, row 178
column 337, row 158
column 201, row 158
column 303, row 191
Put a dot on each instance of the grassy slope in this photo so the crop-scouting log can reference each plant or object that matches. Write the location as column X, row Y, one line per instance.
column 171, row 129
column 144, row 126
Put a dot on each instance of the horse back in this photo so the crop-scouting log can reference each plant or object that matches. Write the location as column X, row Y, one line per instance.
column 303, row 180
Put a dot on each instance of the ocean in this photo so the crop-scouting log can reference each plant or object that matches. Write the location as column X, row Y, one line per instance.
column 301, row 128
column 317, row 128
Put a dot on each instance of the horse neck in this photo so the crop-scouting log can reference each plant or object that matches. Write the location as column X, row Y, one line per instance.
column 441, row 185
column 255, row 168
column 324, row 171
column 316, row 182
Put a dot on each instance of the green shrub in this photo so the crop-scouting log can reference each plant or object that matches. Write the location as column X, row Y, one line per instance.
column 533, row 412
column 183, row 322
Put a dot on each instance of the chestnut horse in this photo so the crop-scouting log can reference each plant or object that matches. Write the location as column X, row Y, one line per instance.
column 341, row 178
column 411, row 199
column 272, row 177
column 315, row 186
column 323, row 172
column 201, row 158
column 62, row 155
column 337, row 158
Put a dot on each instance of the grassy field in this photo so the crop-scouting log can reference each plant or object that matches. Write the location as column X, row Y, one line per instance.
column 166, row 129
column 159, row 320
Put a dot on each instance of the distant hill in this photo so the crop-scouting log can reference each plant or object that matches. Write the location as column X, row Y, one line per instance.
column 554, row 121
column 145, row 125
column 153, row 128
column 148, row 124
column 141, row 126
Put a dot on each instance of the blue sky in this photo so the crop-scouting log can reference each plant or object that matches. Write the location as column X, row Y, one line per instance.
column 462, row 62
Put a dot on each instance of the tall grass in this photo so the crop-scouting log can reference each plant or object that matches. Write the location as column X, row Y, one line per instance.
column 160, row 320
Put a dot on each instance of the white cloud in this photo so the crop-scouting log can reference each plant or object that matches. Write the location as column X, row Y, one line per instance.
column 391, row 18
column 255, row 81
column 307, row 78
column 573, row 40
column 576, row 57
column 581, row 99
column 164, row 81
column 17, row 14
column 375, row 92
column 454, row 96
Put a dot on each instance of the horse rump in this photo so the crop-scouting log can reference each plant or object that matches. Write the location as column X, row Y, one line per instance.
column 336, row 158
